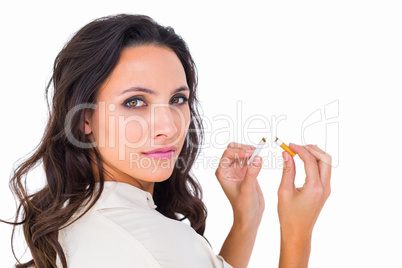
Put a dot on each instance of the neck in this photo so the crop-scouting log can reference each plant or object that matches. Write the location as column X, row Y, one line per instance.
column 110, row 174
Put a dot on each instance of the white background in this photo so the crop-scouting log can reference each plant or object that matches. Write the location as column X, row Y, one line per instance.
column 271, row 58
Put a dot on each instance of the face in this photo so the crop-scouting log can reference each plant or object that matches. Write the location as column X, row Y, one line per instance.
column 141, row 107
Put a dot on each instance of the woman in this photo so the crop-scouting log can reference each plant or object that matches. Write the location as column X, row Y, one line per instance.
column 121, row 139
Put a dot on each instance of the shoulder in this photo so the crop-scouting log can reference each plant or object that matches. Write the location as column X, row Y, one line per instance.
column 95, row 241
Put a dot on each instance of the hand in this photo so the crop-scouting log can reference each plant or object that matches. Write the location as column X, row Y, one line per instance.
column 299, row 208
column 239, row 182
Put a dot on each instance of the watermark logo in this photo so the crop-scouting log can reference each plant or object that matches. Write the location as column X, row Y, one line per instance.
column 322, row 126
column 116, row 132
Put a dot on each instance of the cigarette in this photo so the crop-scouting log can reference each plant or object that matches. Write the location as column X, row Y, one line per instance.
column 257, row 150
column 284, row 146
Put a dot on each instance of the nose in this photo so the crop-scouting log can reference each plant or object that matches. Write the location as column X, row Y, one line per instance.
column 162, row 122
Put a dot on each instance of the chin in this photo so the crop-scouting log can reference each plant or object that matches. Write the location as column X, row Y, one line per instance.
column 158, row 174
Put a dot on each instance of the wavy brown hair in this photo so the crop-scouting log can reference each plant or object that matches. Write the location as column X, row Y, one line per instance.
column 79, row 70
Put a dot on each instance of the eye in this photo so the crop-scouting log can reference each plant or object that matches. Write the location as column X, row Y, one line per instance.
column 134, row 102
column 179, row 100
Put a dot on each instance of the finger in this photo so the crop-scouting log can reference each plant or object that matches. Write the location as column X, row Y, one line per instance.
column 241, row 146
column 230, row 155
column 324, row 163
column 252, row 172
column 289, row 173
column 310, row 163
column 261, row 200
column 237, row 153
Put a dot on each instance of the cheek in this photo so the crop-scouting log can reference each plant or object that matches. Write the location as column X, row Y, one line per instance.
column 114, row 130
column 126, row 134
column 182, row 121
column 133, row 131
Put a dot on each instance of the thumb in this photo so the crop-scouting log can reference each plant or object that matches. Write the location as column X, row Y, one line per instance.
column 253, row 170
column 289, row 172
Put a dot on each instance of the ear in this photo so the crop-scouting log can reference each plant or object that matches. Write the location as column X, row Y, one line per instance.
column 88, row 129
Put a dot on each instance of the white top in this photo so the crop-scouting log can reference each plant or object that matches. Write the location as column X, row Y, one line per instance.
column 123, row 229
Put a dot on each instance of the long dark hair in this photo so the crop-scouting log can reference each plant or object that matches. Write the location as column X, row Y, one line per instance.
column 79, row 70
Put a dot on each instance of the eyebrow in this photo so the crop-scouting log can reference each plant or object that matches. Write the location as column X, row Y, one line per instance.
column 149, row 91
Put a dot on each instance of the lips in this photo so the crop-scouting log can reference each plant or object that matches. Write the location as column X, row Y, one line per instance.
column 161, row 153
column 162, row 150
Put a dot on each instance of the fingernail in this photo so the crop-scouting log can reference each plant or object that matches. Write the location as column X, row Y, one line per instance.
column 285, row 156
column 257, row 161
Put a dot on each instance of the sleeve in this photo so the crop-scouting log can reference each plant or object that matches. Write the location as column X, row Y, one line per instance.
column 224, row 263
column 98, row 242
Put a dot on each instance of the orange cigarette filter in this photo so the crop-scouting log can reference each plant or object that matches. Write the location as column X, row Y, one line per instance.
column 284, row 146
